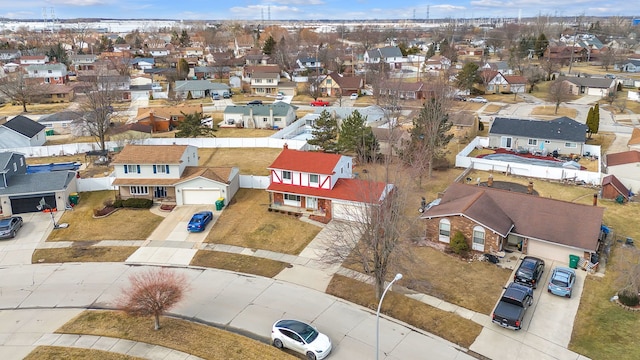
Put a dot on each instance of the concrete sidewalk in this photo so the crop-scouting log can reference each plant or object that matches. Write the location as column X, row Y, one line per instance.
column 233, row 301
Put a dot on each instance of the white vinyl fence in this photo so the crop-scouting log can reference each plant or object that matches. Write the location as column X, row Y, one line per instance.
column 529, row 170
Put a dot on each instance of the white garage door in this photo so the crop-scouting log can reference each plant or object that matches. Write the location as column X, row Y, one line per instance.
column 347, row 211
column 199, row 196
column 551, row 251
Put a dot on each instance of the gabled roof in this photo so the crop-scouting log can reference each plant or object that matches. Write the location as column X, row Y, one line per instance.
column 600, row 83
column 199, row 85
column 356, row 190
column 5, row 157
column 38, row 182
column 515, row 79
column 279, row 108
column 24, row 126
column 306, row 161
column 562, row 128
column 45, row 67
column 390, row 51
column 150, row 154
column 346, row 82
column 61, row 116
column 527, row 215
column 613, row 181
column 167, row 111
column 623, row 158
column 147, row 129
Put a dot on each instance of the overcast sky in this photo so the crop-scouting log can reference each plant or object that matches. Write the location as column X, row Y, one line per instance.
column 310, row 9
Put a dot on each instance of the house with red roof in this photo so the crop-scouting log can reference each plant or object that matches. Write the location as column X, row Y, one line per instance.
column 321, row 185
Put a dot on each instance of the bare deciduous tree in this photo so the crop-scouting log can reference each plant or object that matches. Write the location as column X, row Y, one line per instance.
column 559, row 92
column 96, row 106
column 18, row 89
column 153, row 292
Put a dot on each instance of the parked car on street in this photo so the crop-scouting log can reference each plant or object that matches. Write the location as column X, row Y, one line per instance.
column 529, row 271
column 319, row 102
column 199, row 221
column 279, row 96
column 9, row 227
column 460, row 98
column 354, row 96
column 300, row 337
column 513, row 304
column 478, row 99
column 561, row 281
column 255, row 102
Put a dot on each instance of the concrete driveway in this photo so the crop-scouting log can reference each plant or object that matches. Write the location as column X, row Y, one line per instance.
column 18, row 250
column 547, row 328
column 174, row 225
column 170, row 242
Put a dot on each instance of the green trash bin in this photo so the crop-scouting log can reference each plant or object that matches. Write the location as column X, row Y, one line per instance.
column 573, row 261
column 74, row 198
column 219, row 204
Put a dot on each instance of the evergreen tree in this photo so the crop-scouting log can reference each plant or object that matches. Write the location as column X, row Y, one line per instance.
column 58, row 53
column 356, row 137
column 431, row 51
column 191, row 126
column 269, row 46
column 325, row 133
column 593, row 120
column 541, row 45
column 184, row 38
column 468, row 76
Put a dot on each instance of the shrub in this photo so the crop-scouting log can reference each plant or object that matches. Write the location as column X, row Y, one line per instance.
column 628, row 297
column 138, row 203
column 118, row 203
column 459, row 243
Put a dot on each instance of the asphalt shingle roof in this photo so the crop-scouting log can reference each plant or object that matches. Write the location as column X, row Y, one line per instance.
column 38, row 182
column 23, row 125
column 562, row 128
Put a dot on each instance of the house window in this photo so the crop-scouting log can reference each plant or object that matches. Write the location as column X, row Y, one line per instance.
column 478, row 238
column 533, row 142
column 139, row 190
column 264, row 119
column 15, row 167
column 313, row 179
column 505, row 142
column 570, row 145
column 292, row 197
column 160, row 169
column 328, row 81
column 132, row 169
column 21, row 162
column 286, row 175
column 445, row 230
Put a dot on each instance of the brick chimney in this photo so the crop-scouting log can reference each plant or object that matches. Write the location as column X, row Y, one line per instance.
column 530, row 188
column 595, row 199
column 286, row 146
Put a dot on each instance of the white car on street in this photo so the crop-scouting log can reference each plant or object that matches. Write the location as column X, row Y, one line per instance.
column 300, row 337
column 478, row 99
column 354, row 96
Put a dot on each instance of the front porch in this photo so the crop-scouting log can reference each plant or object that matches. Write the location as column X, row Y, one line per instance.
column 296, row 210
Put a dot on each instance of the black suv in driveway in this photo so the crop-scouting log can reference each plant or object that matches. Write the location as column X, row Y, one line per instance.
column 529, row 272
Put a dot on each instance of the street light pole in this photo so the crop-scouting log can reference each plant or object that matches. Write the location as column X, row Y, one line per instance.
column 396, row 278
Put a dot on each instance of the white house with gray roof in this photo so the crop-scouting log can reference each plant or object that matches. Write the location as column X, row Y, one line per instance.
column 564, row 135
column 589, row 85
column 199, row 88
column 48, row 73
column 388, row 54
column 268, row 116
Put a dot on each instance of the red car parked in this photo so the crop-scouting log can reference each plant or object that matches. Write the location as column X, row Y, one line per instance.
column 319, row 102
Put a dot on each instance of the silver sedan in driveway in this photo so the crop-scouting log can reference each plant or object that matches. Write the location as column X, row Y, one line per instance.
column 10, row 226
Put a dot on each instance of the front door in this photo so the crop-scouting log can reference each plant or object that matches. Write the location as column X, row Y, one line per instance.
column 160, row 192
column 312, row 203
column 505, row 142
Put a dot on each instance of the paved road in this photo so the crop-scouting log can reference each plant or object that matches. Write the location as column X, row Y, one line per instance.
column 229, row 300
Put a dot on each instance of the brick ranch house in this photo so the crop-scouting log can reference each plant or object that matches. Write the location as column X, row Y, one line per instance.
column 491, row 219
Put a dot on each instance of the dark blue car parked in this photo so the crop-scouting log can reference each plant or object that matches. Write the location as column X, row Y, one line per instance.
column 199, row 221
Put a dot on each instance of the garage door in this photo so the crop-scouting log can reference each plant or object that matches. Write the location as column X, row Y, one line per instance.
column 28, row 204
column 551, row 251
column 199, row 196
column 347, row 211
